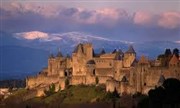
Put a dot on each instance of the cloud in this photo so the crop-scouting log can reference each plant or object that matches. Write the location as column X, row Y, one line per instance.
column 77, row 14
column 17, row 8
column 169, row 20
column 143, row 18
column 118, row 23
column 104, row 16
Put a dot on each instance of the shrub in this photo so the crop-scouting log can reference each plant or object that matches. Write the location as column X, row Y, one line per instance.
column 51, row 90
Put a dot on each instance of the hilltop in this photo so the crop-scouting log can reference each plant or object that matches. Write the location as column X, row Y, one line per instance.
column 73, row 96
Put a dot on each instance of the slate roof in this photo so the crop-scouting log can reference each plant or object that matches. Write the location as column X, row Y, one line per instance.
column 130, row 49
column 79, row 47
column 51, row 56
column 59, row 54
column 114, row 51
column 68, row 56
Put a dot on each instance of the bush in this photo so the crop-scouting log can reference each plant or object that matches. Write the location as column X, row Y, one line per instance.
column 51, row 90
column 112, row 95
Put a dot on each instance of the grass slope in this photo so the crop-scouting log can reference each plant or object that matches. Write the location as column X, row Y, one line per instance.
column 73, row 95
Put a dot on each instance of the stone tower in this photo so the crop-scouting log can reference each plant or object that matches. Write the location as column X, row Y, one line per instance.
column 55, row 64
column 80, row 56
column 129, row 57
column 88, row 51
column 51, row 62
column 141, row 72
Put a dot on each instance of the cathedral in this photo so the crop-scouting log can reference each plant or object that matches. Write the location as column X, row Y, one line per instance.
column 116, row 70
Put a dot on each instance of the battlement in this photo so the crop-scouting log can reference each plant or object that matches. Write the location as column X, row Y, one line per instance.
column 116, row 70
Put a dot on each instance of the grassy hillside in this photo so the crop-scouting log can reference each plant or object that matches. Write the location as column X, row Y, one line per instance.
column 73, row 96
column 84, row 94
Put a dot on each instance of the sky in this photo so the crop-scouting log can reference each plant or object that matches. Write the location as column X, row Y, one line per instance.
column 130, row 20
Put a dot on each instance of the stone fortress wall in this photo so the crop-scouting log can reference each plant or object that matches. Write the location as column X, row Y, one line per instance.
column 116, row 70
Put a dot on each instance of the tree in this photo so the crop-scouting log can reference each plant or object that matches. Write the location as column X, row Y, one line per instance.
column 166, row 95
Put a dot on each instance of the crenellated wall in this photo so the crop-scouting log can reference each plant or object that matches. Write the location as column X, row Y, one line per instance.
column 38, row 81
column 116, row 70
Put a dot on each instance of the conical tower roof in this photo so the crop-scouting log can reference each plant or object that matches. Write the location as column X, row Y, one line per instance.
column 51, row 56
column 114, row 51
column 130, row 50
column 120, row 51
column 79, row 48
column 68, row 56
column 59, row 54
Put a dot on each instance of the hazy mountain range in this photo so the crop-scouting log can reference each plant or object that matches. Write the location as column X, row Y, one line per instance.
column 26, row 53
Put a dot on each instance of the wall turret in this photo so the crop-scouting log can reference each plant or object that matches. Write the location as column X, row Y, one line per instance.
column 59, row 54
column 129, row 56
column 81, row 54
column 142, row 69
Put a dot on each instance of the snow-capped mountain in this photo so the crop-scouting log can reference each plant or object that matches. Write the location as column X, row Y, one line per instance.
column 73, row 36
column 27, row 53
column 67, row 41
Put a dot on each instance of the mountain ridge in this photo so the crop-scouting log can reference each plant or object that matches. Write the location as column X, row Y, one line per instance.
column 27, row 52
